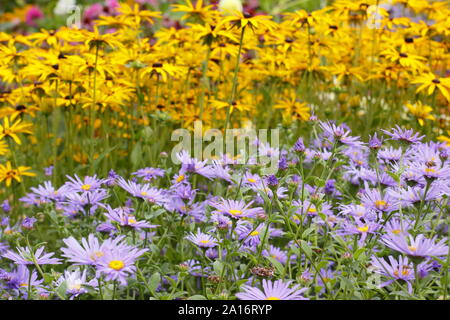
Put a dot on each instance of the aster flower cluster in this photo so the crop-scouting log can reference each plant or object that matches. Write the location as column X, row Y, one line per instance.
column 338, row 209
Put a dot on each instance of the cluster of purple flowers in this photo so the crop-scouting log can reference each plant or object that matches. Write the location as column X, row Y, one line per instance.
column 387, row 198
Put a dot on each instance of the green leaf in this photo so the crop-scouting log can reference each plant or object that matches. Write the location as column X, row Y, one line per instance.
column 154, row 282
column 218, row 267
column 278, row 266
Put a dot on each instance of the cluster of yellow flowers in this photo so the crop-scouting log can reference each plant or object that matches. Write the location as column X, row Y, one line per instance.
column 221, row 68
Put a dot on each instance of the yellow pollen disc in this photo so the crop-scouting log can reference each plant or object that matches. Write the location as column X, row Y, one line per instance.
column 428, row 170
column 86, row 187
column 363, row 229
column 131, row 220
column 235, row 212
column 251, row 180
column 180, row 178
column 312, row 210
column 380, row 203
column 396, row 231
column 24, row 284
column 254, row 233
column 204, row 241
column 143, row 193
column 116, row 265
column 412, row 248
column 273, row 298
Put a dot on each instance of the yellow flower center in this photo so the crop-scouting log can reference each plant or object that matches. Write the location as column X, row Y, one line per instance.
column 254, row 233
column 180, row 178
column 380, row 203
column 273, row 298
column 204, row 241
column 235, row 212
column 430, row 170
column 86, row 187
column 312, row 210
column 251, row 180
column 396, row 231
column 412, row 248
column 364, row 228
column 116, row 265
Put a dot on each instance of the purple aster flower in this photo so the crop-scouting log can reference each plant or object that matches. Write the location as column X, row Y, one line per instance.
column 397, row 227
column 106, row 228
column 75, row 282
column 124, row 218
column 339, row 133
column 28, row 223
column 236, row 208
column 149, row 173
column 90, row 249
column 87, row 200
column 275, row 253
column 47, row 193
column 390, row 154
column 117, row 264
column 111, row 179
column 403, row 135
column 299, row 146
column 6, row 206
column 373, row 199
column 395, row 270
column 192, row 165
column 20, row 279
column 221, row 171
column 48, row 171
column 4, row 222
column 416, row 247
column 246, row 232
column 272, row 180
column 24, row 256
column 85, row 185
column 202, row 240
column 375, row 143
column 277, row 290
column 145, row 191
column 359, row 228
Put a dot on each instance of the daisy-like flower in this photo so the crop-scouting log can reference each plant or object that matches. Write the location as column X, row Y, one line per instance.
column 202, row 240
column 401, row 269
column 124, row 218
column 24, row 256
column 20, row 278
column 404, row 135
column 397, row 227
column 339, row 133
column 87, row 184
column 90, row 249
column 148, row 174
column 359, row 227
column 373, row 199
column 192, row 165
column 118, row 264
column 75, row 282
column 277, row 290
column 275, row 253
column 416, row 247
column 145, row 191
column 236, row 208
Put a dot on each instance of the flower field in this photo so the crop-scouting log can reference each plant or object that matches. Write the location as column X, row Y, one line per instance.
column 225, row 150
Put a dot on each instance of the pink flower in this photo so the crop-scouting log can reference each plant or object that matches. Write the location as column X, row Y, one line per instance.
column 34, row 13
